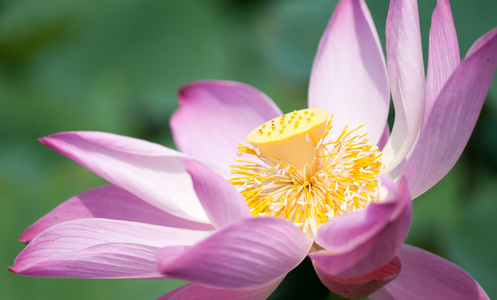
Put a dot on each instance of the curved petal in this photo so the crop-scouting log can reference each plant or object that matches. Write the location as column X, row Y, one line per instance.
column 195, row 291
column 427, row 276
column 407, row 81
column 361, row 286
column 246, row 255
column 222, row 203
column 384, row 138
column 349, row 77
column 359, row 243
column 153, row 173
column 214, row 116
column 108, row 202
column 100, row 248
column 443, row 55
column 452, row 118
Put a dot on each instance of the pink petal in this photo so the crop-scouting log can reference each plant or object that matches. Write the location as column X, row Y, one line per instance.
column 427, row 276
column 359, row 243
column 381, row 294
column 407, row 83
column 214, row 116
column 100, row 248
column 452, row 118
column 246, row 255
column 443, row 55
column 195, row 291
column 362, row 286
column 349, row 77
column 222, row 203
column 109, row 202
column 151, row 172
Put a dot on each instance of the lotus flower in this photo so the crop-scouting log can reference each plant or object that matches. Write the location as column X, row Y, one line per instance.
column 329, row 182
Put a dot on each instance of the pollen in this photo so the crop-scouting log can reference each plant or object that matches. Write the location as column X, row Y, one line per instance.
column 301, row 172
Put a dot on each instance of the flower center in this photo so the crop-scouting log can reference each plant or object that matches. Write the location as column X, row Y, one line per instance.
column 296, row 172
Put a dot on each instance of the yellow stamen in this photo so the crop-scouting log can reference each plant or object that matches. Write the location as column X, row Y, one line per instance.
column 304, row 177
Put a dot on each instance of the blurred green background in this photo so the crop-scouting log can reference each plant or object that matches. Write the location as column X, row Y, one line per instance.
column 115, row 66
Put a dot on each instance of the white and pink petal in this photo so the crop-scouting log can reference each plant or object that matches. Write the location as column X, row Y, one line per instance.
column 100, row 248
column 349, row 76
column 214, row 116
column 407, row 79
column 151, row 172
column 194, row 291
column 443, row 55
column 222, row 203
column 108, row 202
column 247, row 255
column 453, row 117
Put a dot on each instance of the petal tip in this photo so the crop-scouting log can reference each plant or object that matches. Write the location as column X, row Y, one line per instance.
column 23, row 239
column 46, row 140
column 11, row 269
column 51, row 141
column 17, row 270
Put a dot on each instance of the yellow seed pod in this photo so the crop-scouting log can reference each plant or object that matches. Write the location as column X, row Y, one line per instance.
column 291, row 137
